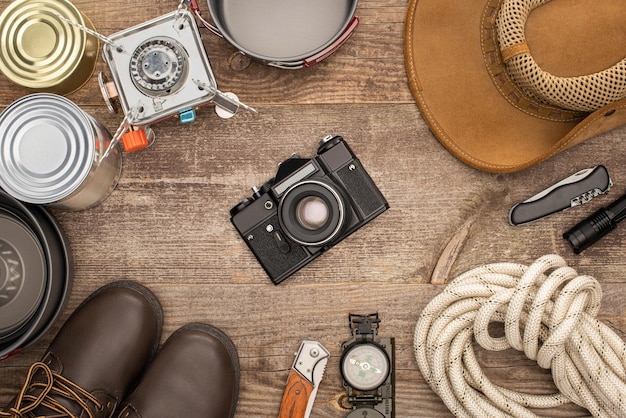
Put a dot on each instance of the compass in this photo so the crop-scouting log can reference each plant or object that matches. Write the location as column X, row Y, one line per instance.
column 365, row 413
column 367, row 368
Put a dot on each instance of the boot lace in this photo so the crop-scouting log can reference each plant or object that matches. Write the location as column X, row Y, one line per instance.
column 52, row 384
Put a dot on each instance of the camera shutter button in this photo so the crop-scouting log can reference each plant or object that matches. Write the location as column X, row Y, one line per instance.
column 328, row 142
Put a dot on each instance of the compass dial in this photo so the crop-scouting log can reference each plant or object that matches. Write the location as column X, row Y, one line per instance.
column 365, row 366
column 365, row 413
column 159, row 66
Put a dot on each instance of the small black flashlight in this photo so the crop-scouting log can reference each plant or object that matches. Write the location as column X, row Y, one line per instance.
column 596, row 226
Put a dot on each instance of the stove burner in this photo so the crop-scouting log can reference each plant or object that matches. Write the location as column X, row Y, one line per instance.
column 159, row 65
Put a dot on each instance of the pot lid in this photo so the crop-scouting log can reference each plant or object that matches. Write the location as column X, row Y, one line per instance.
column 23, row 274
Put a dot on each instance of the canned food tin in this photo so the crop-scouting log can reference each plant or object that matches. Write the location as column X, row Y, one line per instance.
column 42, row 52
column 51, row 152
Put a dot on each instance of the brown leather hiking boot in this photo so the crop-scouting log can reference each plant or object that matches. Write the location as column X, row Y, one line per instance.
column 96, row 357
column 195, row 375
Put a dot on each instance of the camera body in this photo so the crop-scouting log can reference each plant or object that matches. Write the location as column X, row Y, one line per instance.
column 308, row 207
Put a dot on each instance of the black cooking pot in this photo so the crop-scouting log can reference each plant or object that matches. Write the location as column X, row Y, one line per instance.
column 285, row 33
column 36, row 273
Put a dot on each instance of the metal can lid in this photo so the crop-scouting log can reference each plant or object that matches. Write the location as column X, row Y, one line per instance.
column 47, row 148
column 23, row 275
column 37, row 49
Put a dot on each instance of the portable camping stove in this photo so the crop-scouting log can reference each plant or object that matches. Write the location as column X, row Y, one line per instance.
column 160, row 69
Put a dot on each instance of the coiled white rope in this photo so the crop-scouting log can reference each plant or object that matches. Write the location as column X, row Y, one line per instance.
column 548, row 312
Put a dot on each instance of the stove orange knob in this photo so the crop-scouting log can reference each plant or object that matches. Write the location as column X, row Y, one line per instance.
column 135, row 140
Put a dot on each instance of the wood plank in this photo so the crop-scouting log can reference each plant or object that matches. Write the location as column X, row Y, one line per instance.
column 167, row 223
column 267, row 327
column 369, row 67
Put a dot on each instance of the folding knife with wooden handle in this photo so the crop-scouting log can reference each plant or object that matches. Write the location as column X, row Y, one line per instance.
column 303, row 381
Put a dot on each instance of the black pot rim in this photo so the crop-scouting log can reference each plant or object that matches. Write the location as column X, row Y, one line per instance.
column 60, row 271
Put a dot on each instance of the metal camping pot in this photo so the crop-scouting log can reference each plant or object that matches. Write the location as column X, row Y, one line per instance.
column 22, row 274
column 40, row 51
column 36, row 273
column 288, row 34
column 53, row 153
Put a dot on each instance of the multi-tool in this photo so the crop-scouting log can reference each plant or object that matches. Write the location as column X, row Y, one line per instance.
column 577, row 189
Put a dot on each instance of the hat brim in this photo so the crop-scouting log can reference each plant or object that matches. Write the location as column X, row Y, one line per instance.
column 463, row 107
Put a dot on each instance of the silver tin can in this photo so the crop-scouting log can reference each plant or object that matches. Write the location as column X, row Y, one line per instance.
column 51, row 153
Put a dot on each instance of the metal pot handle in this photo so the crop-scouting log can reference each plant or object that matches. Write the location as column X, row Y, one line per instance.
column 193, row 6
column 320, row 56
column 347, row 33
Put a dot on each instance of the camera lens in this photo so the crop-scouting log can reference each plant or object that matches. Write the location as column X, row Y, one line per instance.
column 312, row 212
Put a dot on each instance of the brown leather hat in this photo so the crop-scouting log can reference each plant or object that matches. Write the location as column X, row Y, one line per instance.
column 506, row 84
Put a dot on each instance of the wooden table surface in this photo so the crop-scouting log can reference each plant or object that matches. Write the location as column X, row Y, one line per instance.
column 167, row 223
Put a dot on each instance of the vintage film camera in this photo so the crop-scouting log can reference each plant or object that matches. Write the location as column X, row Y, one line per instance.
column 368, row 369
column 309, row 206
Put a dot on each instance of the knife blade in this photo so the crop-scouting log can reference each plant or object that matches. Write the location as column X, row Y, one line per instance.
column 303, row 381
column 577, row 189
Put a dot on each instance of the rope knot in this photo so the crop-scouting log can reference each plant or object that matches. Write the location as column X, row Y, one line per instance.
column 548, row 312
column 543, row 311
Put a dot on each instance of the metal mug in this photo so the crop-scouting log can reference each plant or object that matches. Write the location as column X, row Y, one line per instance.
column 40, row 51
column 53, row 153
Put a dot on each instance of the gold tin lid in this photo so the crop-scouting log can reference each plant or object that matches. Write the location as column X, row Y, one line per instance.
column 42, row 52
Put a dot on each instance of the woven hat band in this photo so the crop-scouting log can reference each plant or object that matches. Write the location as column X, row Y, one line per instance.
column 585, row 93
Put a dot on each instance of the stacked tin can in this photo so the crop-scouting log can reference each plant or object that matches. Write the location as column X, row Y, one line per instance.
column 52, row 153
